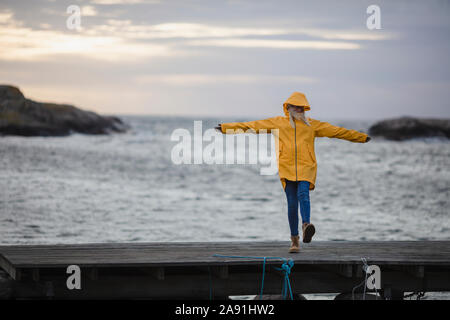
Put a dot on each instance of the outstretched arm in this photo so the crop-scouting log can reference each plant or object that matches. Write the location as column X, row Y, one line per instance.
column 324, row 129
column 266, row 124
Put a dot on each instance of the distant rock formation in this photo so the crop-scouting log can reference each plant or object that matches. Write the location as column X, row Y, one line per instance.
column 408, row 127
column 25, row 117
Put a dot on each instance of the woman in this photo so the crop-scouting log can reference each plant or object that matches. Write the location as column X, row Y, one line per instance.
column 297, row 166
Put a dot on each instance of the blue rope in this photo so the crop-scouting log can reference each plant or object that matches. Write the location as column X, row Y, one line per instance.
column 285, row 268
column 262, row 281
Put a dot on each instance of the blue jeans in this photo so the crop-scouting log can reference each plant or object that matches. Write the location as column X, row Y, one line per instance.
column 297, row 192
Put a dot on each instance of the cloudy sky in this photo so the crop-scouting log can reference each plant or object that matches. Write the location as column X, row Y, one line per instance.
column 231, row 58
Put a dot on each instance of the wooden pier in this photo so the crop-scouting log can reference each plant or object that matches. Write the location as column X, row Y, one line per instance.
column 189, row 270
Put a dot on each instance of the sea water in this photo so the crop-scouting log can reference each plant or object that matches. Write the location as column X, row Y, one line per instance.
column 125, row 188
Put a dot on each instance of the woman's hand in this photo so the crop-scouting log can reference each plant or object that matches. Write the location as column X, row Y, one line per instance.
column 368, row 139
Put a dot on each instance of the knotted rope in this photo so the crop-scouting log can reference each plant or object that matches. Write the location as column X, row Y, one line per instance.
column 285, row 268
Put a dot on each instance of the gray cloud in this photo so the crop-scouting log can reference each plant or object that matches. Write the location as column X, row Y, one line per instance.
column 234, row 58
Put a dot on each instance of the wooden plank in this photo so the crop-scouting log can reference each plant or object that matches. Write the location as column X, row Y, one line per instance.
column 197, row 286
column 336, row 246
column 179, row 254
column 93, row 274
column 6, row 265
column 35, row 274
column 136, row 270
column 158, row 273
column 344, row 270
column 416, row 271
column 220, row 271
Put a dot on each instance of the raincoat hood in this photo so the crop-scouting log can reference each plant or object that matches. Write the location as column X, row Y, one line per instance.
column 296, row 99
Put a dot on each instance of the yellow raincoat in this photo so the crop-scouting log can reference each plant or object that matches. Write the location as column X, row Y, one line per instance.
column 296, row 156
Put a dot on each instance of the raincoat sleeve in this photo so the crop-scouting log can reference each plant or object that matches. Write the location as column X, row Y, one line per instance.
column 257, row 126
column 324, row 129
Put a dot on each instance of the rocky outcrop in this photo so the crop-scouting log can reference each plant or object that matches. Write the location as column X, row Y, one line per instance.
column 407, row 128
column 25, row 117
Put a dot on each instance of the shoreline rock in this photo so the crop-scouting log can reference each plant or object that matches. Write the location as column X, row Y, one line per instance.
column 25, row 117
column 404, row 128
